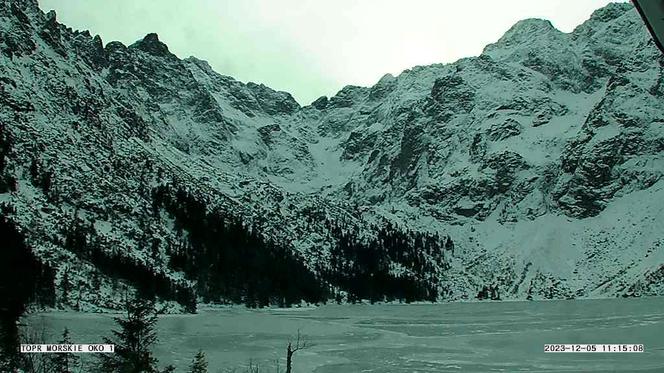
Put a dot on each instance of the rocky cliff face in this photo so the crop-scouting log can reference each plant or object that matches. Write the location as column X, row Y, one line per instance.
column 541, row 159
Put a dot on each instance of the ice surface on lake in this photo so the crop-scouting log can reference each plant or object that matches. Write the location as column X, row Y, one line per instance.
column 454, row 337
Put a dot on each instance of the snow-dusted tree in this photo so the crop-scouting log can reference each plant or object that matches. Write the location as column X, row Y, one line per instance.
column 65, row 362
column 199, row 364
column 134, row 340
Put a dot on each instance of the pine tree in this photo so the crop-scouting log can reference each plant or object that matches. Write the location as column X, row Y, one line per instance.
column 199, row 364
column 133, row 341
column 65, row 362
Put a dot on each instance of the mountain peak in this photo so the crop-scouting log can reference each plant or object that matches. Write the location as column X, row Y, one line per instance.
column 538, row 23
column 602, row 16
column 528, row 33
column 31, row 5
column 528, row 29
column 152, row 45
column 386, row 78
column 610, row 12
column 51, row 16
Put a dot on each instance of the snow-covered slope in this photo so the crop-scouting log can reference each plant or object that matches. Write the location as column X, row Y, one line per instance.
column 541, row 159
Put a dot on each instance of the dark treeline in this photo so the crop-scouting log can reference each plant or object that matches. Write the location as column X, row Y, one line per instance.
column 395, row 265
column 23, row 280
column 232, row 261
column 489, row 292
column 149, row 281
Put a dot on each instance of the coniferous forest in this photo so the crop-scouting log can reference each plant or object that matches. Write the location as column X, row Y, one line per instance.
column 394, row 265
column 149, row 281
column 230, row 260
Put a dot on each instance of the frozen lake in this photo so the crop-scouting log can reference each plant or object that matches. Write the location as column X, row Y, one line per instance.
column 451, row 337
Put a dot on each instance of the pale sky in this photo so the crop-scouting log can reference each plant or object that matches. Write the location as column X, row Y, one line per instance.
column 312, row 48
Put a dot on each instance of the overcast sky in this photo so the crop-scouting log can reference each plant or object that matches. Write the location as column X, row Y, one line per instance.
column 312, row 48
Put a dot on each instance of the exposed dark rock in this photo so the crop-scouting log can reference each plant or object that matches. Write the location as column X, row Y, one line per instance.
column 267, row 131
column 477, row 148
column 384, row 86
column 273, row 102
column 320, row 103
column 347, row 97
column 91, row 50
column 50, row 32
column 152, row 45
column 501, row 131
column 358, row 144
column 450, row 95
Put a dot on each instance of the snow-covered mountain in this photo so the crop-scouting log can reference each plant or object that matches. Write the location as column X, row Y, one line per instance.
column 535, row 167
